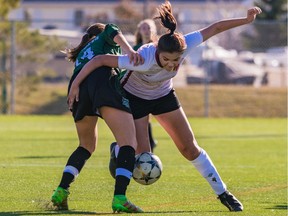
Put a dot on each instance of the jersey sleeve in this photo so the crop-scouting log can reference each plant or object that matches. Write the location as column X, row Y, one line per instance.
column 110, row 31
column 147, row 54
column 193, row 40
column 137, row 46
column 124, row 63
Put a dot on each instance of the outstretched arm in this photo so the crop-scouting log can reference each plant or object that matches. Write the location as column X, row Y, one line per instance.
column 224, row 25
column 89, row 67
column 133, row 55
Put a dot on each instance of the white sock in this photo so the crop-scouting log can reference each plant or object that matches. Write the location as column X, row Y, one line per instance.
column 207, row 169
column 117, row 147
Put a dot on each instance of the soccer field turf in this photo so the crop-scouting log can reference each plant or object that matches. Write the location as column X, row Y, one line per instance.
column 250, row 155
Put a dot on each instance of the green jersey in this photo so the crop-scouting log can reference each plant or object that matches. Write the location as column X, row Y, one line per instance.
column 137, row 46
column 103, row 43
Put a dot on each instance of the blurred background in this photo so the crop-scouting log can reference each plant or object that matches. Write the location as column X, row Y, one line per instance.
column 243, row 70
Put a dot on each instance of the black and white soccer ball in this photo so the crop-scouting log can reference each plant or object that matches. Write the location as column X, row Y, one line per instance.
column 148, row 168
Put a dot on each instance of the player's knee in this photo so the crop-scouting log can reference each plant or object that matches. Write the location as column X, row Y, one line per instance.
column 190, row 149
column 89, row 145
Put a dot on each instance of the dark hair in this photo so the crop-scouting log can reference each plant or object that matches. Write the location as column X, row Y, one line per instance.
column 172, row 41
column 90, row 33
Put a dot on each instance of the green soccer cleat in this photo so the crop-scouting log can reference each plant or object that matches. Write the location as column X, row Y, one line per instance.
column 121, row 204
column 59, row 198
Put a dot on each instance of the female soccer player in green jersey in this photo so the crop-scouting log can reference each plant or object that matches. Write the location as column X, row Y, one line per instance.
column 100, row 98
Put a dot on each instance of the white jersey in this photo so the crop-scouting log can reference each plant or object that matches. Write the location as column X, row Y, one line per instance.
column 150, row 81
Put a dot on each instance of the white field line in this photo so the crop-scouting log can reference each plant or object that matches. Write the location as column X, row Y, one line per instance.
column 45, row 165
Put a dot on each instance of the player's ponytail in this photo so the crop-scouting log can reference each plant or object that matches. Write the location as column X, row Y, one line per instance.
column 90, row 33
column 172, row 41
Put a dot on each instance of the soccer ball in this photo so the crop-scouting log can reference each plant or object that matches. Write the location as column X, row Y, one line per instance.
column 148, row 168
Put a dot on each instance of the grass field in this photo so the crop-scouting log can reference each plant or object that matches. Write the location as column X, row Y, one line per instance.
column 249, row 153
column 224, row 100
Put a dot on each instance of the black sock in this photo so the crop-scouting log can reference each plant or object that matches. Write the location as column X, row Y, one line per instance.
column 151, row 139
column 75, row 163
column 125, row 163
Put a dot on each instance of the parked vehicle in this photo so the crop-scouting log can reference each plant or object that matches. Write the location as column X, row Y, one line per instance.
column 228, row 71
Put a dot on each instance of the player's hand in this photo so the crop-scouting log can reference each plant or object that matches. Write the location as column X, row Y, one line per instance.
column 135, row 58
column 252, row 13
column 73, row 95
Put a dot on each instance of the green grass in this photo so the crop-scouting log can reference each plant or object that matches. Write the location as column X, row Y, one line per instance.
column 250, row 154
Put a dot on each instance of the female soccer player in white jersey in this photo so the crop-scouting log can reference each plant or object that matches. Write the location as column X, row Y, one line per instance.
column 150, row 91
column 99, row 98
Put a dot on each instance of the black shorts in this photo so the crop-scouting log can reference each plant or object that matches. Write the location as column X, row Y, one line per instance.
column 141, row 107
column 97, row 90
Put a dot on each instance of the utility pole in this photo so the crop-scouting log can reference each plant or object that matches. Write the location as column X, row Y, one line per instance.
column 206, row 82
column 145, row 9
column 3, row 77
column 13, row 66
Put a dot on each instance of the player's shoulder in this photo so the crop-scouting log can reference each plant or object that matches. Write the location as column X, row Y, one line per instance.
column 193, row 34
column 148, row 46
column 147, row 50
column 111, row 26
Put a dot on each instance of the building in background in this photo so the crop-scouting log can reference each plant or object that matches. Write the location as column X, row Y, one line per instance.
column 72, row 14
column 68, row 18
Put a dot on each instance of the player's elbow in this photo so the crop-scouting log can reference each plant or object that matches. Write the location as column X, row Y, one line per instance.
column 105, row 60
column 210, row 31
